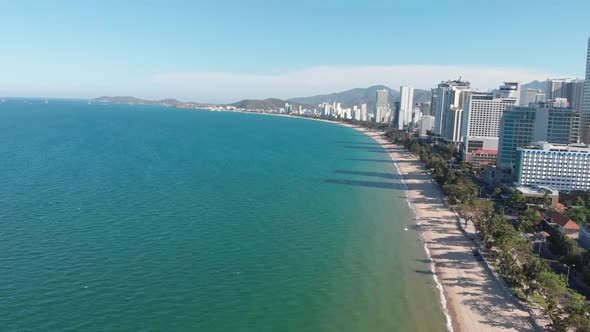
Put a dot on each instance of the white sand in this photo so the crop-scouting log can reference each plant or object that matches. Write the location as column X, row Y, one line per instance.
column 474, row 300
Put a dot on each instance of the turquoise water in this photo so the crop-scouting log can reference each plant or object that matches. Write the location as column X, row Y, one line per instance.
column 117, row 217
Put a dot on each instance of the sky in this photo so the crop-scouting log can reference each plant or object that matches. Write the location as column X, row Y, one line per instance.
column 224, row 51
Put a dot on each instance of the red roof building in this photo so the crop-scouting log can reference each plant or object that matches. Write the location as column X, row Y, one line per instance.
column 480, row 158
column 563, row 223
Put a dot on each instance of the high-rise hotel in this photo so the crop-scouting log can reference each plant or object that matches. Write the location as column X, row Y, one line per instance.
column 404, row 116
column 585, row 131
column 382, row 107
column 482, row 115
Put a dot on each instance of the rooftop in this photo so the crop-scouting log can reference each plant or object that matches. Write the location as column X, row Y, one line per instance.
column 537, row 190
column 494, row 152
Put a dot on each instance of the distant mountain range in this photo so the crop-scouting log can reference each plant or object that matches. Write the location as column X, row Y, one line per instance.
column 347, row 98
column 360, row 96
column 133, row 100
column 535, row 85
column 267, row 104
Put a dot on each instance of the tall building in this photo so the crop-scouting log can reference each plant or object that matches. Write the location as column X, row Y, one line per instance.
column 406, row 108
column 425, row 108
column 448, row 95
column 575, row 94
column 532, row 96
column 364, row 115
column 585, row 133
column 426, row 125
column 522, row 125
column 567, row 88
column 326, row 110
column 556, row 88
column 382, row 106
column 453, row 125
column 482, row 115
column 562, row 167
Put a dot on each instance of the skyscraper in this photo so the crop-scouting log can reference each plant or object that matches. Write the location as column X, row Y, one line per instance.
column 570, row 89
column 585, row 130
column 382, row 106
column 406, row 106
column 532, row 96
column 537, row 122
column 448, row 95
column 364, row 115
column 482, row 115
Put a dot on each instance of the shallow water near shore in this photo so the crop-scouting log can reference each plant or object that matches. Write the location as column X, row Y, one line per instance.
column 118, row 217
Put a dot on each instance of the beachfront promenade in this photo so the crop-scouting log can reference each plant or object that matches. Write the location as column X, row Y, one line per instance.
column 475, row 300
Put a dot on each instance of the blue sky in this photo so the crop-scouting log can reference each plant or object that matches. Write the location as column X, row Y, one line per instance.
column 217, row 51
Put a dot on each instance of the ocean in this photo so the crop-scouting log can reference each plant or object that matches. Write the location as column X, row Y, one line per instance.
column 146, row 218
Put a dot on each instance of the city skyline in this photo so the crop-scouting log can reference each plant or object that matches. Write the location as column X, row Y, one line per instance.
column 205, row 53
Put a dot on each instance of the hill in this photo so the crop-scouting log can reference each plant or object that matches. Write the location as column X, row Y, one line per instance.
column 266, row 104
column 359, row 96
column 535, row 85
column 133, row 100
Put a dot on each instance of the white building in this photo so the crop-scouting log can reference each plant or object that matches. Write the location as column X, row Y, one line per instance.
column 568, row 88
column 448, row 95
column 585, row 131
column 453, row 125
column 532, row 96
column 562, row 167
column 382, row 106
column 406, row 106
column 426, row 125
column 364, row 115
column 482, row 115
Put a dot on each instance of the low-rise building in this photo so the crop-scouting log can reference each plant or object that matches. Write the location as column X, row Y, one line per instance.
column 562, row 223
column 480, row 158
column 559, row 166
column 536, row 195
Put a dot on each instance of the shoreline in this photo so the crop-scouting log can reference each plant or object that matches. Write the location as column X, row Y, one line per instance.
column 471, row 298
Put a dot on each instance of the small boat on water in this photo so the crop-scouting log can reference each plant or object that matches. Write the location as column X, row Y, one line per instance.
column 46, row 102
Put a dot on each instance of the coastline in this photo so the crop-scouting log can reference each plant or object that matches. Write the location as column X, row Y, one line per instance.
column 471, row 297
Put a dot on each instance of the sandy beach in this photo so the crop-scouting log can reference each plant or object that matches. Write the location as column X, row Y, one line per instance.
column 474, row 300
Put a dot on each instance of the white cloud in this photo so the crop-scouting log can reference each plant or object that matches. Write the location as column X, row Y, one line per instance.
column 228, row 87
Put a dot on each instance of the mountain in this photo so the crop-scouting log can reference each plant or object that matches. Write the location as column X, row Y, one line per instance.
column 133, row 100
column 267, row 104
column 535, row 85
column 360, row 96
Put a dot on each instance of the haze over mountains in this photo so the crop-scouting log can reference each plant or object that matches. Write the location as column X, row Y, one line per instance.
column 347, row 98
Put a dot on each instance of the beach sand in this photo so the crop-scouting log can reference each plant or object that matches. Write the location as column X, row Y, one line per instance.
column 475, row 300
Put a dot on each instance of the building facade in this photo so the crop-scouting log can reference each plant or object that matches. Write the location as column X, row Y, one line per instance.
column 406, row 108
column 566, row 88
column 448, row 95
column 585, row 130
column 520, row 126
column 382, row 106
column 482, row 115
column 562, row 167
column 532, row 96
column 426, row 125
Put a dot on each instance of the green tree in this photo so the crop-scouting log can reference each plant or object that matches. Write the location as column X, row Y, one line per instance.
column 530, row 218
